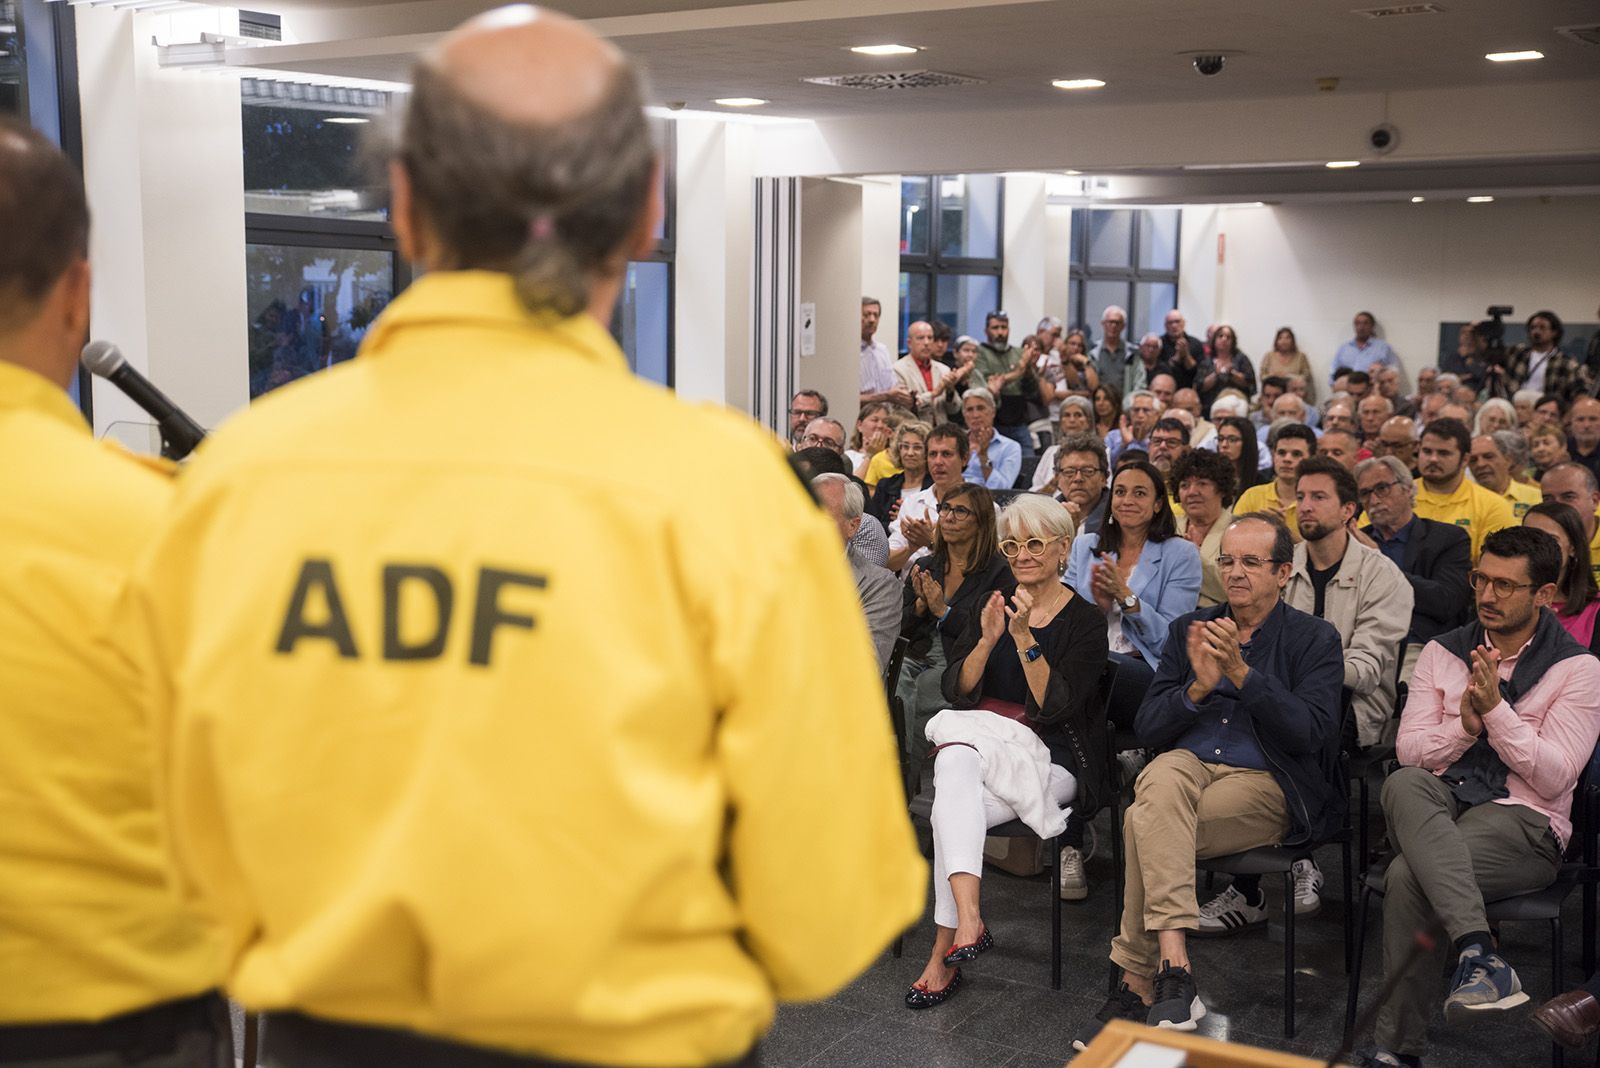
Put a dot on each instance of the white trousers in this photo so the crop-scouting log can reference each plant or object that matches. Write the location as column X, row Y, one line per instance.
column 963, row 810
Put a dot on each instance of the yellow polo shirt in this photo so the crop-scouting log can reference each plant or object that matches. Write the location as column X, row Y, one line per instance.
column 880, row 467
column 1262, row 498
column 479, row 736
column 89, row 924
column 1522, row 497
column 1478, row 511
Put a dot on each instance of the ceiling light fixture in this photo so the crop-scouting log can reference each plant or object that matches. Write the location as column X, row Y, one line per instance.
column 346, row 120
column 1480, row 200
column 1512, row 57
column 1342, row 164
column 1078, row 83
column 885, row 50
column 1072, row 174
column 740, row 102
column 1418, row 200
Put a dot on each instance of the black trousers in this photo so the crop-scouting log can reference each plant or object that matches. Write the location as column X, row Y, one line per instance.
column 293, row 1040
column 189, row 1033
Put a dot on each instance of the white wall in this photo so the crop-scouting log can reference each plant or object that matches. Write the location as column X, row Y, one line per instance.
column 1023, row 283
column 880, row 252
column 832, row 231
column 1199, row 279
column 1412, row 265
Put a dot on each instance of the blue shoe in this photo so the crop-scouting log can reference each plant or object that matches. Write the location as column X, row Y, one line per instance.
column 1484, row 984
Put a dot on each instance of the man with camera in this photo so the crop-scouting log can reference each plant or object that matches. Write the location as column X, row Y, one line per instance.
column 1536, row 364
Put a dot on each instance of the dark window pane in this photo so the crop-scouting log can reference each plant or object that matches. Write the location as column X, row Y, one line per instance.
column 1158, row 239
column 969, row 215
column 11, row 73
column 642, row 324
column 1080, row 221
column 965, row 300
column 914, row 303
column 1111, row 238
column 915, row 216
column 304, row 150
column 1151, row 302
column 310, row 307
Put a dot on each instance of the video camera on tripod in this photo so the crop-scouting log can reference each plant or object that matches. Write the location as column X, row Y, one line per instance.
column 1492, row 332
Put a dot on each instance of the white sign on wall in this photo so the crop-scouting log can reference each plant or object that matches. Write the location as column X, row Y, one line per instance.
column 808, row 329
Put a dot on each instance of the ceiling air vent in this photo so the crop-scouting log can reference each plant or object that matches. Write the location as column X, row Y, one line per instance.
column 1400, row 9
column 902, row 79
column 1589, row 35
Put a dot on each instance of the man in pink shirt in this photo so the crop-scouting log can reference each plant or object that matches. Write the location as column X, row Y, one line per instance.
column 1502, row 718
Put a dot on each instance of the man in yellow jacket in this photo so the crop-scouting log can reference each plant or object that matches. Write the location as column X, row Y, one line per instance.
column 1446, row 495
column 470, row 746
column 99, row 963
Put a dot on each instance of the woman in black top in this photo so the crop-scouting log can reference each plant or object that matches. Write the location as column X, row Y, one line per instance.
column 962, row 568
column 909, row 451
column 1238, row 444
column 1039, row 658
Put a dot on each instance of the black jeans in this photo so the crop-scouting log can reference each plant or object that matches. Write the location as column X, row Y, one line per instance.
column 188, row 1033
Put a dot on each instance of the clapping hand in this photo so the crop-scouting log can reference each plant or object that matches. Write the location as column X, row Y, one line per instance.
column 929, row 590
column 1201, row 661
column 917, row 532
column 1222, row 639
column 1483, row 690
column 993, row 619
column 1105, row 582
column 1022, row 602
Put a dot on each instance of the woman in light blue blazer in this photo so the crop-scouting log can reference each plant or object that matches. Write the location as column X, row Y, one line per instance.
column 1141, row 574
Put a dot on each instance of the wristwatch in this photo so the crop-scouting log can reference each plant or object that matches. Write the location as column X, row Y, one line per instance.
column 1130, row 601
column 1033, row 652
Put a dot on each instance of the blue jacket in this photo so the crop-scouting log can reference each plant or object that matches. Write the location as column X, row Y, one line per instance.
column 1293, row 698
column 1166, row 580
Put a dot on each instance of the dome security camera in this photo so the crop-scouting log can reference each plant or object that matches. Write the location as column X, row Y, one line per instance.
column 1383, row 138
column 1209, row 65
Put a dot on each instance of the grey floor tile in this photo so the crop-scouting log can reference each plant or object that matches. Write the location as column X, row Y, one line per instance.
column 893, row 1046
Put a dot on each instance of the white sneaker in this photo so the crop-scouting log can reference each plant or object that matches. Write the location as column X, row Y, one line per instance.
column 1307, row 887
column 1074, row 885
column 1229, row 912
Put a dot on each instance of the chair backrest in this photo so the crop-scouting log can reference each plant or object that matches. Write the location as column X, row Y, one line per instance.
column 897, row 659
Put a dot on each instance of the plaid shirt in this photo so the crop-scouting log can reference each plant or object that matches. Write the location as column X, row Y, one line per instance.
column 1563, row 376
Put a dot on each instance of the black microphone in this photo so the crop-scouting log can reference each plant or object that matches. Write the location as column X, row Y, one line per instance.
column 179, row 433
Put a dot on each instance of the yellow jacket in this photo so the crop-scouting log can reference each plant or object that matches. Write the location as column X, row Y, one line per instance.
column 89, row 925
column 497, row 713
column 1478, row 511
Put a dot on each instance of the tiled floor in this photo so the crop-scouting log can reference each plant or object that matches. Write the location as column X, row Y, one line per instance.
column 1007, row 1015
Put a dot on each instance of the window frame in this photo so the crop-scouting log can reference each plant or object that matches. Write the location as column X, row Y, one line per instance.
column 933, row 264
column 1080, row 271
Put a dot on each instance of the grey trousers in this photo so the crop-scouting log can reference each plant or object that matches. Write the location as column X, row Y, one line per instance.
column 1451, row 860
column 921, row 690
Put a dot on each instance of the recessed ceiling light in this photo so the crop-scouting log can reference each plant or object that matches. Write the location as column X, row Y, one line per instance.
column 1078, row 83
column 1512, row 57
column 1072, row 174
column 1418, row 200
column 1480, row 200
column 346, row 120
column 885, row 50
column 741, row 101
column 1342, row 164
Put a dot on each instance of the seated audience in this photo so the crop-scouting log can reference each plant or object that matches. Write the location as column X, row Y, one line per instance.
column 1358, row 384
column 825, row 433
column 1187, row 400
column 1398, row 438
column 804, row 406
column 1427, row 379
column 1446, row 494
column 1371, row 411
column 1497, row 461
column 944, row 589
column 1205, row 482
column 1290, row 445
column 1169, row 440
column 1495, row 414
column 1340, row 414
column 1285, row 359
column 995, row 459
column 911, row 532
column 873, row 431
column 1236, row 442
column 1583, row 419
column 1134, row 431
column 1300, row 386
column 871, row 541
column 1547, row 444
column 1502, row 717
column 876, row 585
column 1523, row 401
column 908, row 452
column 1024, row 684
column 1434, row 557
column 1552, row 409
column 1461, row 413
column 1165, row 387
column 1077, row 419
column 1181, row 351
column 1107, row 409
column 964, row 355
column 1245, row 713
column 1224, row 367
column 1140, row 372
column 1081, row 474
column 1429, row 407
column 1577, row 595
column 1574, row 484
column 1141, row 574
column 1386, row 383
column 1271, row 389
column 1341, row 446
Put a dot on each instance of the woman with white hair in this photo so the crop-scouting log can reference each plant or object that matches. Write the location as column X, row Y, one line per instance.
column 1024, row 737
column 1497, row 413
column 1077, row 417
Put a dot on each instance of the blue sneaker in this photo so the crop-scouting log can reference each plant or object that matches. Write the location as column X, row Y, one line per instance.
column 1483, row 983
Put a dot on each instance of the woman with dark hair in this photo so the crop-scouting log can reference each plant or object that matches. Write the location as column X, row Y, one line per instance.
column 1237, row 443
column 961, row 570
column 873, row 431
column 1286, row 359
column 1580, row 597
column 1107, row 409
column 1141, row 574
column 1224, row 367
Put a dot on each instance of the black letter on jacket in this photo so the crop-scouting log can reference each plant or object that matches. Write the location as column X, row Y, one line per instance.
column 317, row 573
column 488, row 614
column 444, row 600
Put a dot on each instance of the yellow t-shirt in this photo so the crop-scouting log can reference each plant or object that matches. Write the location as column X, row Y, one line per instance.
column 1594, row 550
column 1262, row 498
column 880, row 467
column 1522, row 497
column 472, row 740
column 1478, row 511
column 89, row 924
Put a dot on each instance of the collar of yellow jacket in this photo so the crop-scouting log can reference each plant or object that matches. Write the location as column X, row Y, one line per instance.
column 25, row 390
column 487, row 299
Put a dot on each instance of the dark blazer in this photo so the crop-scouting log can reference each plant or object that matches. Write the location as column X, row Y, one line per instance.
column 1437, row 559
column 968, row 599
column 1293, row 697
column 888, row 491
column 1072, row 721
